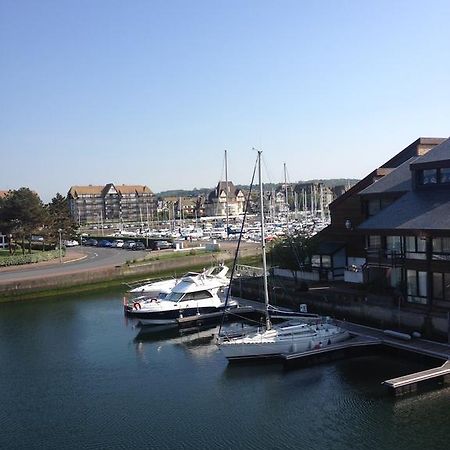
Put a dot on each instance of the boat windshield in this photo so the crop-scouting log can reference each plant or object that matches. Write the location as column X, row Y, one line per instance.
column 174, row 296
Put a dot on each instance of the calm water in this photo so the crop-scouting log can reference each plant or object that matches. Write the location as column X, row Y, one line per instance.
column 74, row 374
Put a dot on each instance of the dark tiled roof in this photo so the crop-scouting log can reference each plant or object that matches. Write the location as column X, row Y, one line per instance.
column 399, row 180
column 416, row 210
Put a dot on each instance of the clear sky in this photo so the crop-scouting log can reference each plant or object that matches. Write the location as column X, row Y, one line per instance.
column 152, row 92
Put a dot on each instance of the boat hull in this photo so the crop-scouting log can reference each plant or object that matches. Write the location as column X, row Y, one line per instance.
column 169, row 316
column 235, row 350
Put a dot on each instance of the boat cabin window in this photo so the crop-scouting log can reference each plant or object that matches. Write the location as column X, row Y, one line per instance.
column 174, row 296
column 199, row 295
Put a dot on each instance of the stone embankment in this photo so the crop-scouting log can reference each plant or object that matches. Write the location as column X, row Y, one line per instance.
column 21, row 288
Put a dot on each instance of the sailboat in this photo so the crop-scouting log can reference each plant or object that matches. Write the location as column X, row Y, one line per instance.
column 273, row 340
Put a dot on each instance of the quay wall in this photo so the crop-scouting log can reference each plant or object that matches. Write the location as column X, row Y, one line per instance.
column 367, row 309
column 85, row 279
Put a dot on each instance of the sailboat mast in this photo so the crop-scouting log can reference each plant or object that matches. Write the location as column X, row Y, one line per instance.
column 286, row 195
column 226, row 192
column 263, row 244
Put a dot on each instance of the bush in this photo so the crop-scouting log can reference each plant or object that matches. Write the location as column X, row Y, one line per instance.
column 17, row 260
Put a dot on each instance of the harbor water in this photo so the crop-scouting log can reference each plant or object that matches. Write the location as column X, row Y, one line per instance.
column 75, row 374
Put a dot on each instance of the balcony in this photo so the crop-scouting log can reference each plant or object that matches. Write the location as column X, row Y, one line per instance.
column 381, row 257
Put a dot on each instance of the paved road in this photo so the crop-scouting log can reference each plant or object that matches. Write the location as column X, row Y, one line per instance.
column 80, row 259
column 76, row 260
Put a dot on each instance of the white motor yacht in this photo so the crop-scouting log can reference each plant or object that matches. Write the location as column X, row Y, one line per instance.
column 193, row 295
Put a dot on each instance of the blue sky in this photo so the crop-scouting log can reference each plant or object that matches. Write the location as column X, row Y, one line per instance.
column 152, row 92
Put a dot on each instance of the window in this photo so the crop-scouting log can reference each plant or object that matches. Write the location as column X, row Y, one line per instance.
column 416, row 247
column 441, row 249
column 374, row 241
column 428, row 176
column 200, row 295
column 373, row 207
column 393, row 245
column 416, row 286
column 441, row 286
column 319, row 261
column 444, row 175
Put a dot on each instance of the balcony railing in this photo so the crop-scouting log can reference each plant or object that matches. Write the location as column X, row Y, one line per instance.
column 381, row 257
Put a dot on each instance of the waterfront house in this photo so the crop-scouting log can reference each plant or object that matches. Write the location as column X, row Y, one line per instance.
column 225, row 193
column 407, row 230
column 342, row 237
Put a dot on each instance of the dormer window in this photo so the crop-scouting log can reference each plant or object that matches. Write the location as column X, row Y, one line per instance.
column 444, row 175
column 428, row 176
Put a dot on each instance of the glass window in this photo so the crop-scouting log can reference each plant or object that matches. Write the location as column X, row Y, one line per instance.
column 441, row 249
column 411, row 282
column 416, row 286
column 444, row 175
column 374, row 241
column 373, row 207
column 394, row 243
column 326, row 261
column 429, row 176
column 422, row 284
column 438, row 291
column 315, row 260
column 415, row 247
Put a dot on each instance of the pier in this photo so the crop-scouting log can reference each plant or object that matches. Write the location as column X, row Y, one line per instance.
column 366, row 339
column 410, row 383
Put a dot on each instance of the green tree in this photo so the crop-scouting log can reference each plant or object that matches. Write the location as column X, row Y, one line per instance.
column 22, row 214
column 59, row 218
column 292, row 252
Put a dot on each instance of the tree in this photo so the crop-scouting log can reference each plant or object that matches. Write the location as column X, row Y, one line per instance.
column 292, row 252
column 22, row 214
column 59, row 218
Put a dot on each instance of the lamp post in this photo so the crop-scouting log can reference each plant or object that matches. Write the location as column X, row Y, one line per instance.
column 60, row 244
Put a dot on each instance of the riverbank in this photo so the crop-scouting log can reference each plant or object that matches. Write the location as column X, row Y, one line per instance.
column 71, row 280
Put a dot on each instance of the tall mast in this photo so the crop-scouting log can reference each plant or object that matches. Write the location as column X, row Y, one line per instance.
column 263, row 244
column 226, row 191
column 286, row 191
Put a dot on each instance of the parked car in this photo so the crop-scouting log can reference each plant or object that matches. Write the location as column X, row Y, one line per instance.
column 128, row 245
column 139, row 246
column 161, row 245
column 104, row 243
column 71, row 243
column 118, row 243
column 91, row 242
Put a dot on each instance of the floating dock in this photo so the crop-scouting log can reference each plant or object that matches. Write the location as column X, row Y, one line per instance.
column 411, row 383
column 366, row 339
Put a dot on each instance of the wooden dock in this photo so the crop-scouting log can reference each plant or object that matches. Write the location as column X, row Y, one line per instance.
column 410, row 383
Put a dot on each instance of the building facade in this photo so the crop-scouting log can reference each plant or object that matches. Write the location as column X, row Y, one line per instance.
column 111, row 203
column 225, row 194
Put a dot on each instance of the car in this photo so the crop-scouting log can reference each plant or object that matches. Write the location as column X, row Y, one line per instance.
column 128, row 245
column 118, row 243
column 161, row 245
column 104, row 243
column 139, row 246
column 71, row 243
column 91, row 242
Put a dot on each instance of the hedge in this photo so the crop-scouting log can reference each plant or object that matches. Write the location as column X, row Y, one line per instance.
column 17, row 260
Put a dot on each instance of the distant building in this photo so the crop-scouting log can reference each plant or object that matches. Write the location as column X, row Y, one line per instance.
column 110, row 203
column 217, row 200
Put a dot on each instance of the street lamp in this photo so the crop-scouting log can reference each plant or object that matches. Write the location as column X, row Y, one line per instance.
column 60, row 245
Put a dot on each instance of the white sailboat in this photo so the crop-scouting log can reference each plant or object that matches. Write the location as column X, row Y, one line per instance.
column 273, row 340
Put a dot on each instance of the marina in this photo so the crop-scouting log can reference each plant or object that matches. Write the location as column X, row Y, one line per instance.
column 79, row 366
